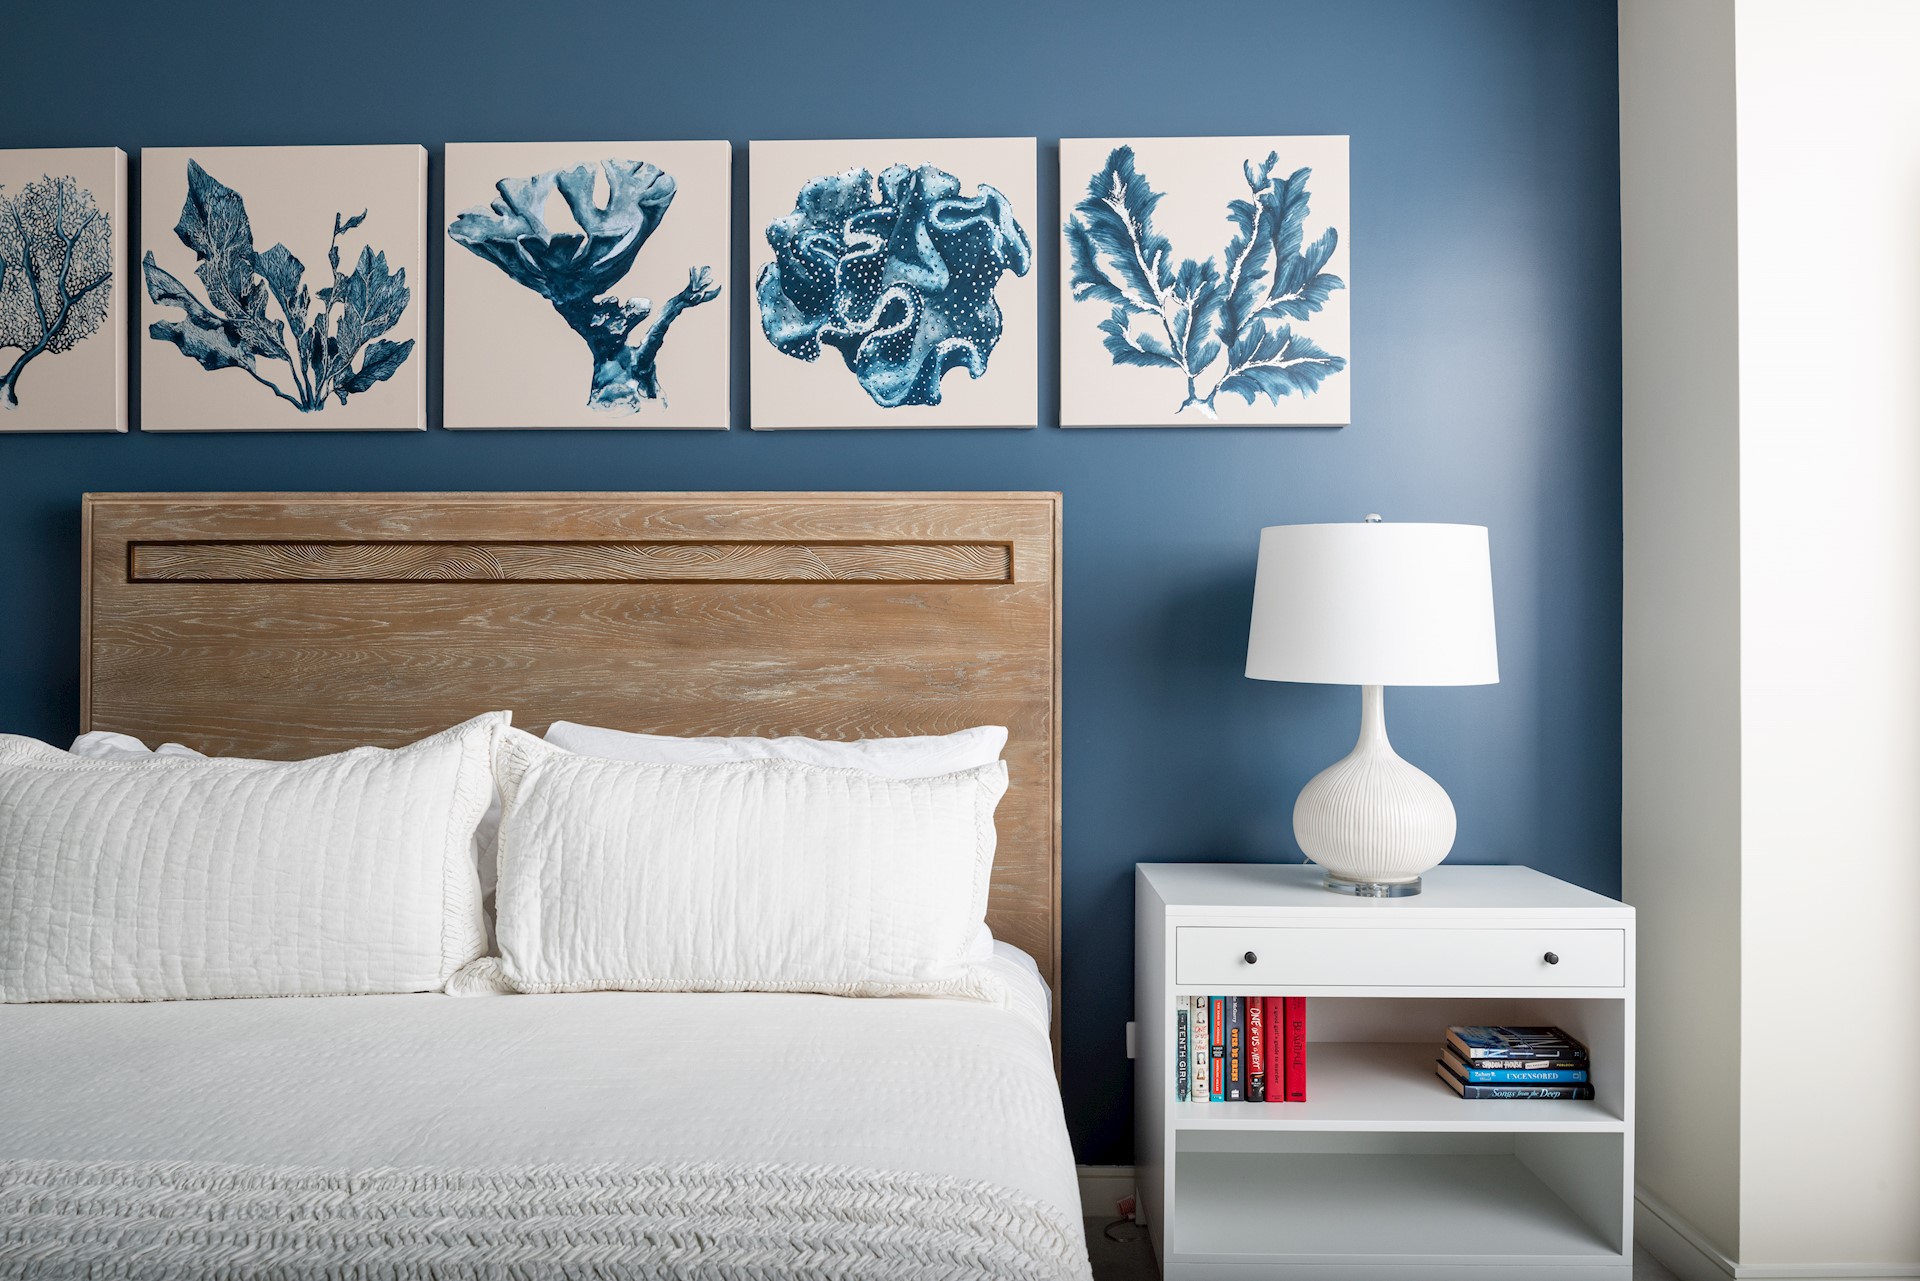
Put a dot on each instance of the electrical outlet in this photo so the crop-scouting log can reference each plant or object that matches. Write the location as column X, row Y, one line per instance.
column 1130, row 1046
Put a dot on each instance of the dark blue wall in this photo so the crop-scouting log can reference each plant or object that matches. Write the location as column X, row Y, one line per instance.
column 1486, row 366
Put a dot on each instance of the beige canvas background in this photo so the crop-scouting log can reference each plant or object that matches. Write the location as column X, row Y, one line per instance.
column 1198, row 176
column 85, row 387
column 511, row 361
column 791, row 393
column 292, row 195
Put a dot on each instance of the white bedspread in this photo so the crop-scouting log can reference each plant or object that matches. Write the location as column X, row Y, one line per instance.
column 647, row 1086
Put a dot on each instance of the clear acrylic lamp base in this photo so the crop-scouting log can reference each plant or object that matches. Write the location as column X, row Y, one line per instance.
column 1372, row 820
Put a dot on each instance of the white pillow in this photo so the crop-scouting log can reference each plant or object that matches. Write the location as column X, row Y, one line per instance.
column 913, row 756
column 766, row 875
column 170, row 877
column 105, row 745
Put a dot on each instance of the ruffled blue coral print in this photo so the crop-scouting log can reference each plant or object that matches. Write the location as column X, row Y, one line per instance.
column 901, row 283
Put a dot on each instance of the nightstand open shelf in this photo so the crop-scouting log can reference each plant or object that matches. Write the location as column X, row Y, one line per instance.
column 1383, row 1172
column 1390, row 1085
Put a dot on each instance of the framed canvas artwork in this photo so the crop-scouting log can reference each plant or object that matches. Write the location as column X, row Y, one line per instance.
column 893, row 283
column 586, row 284
column 1204, row 281
column 285, row 288
column 63, row 331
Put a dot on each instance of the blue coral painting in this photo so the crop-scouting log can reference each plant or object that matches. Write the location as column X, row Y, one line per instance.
column 288, row 283
column 881, row 280
column 1253, row 332
column 596, row 273
column 62, row 311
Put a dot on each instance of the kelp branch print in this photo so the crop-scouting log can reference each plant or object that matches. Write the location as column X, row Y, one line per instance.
column 576, row 271
column 900, row 281
column 233, row 330
column 56, row 273
column 1188, row 317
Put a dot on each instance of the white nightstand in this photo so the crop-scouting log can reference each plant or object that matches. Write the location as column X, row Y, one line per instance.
column 1384, row 1171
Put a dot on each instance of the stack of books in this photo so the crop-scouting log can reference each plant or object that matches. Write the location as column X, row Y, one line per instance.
column 1514, row 1063
column 1240, row 1049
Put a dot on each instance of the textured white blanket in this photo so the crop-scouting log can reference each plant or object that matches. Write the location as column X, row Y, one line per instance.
column 716, row 1221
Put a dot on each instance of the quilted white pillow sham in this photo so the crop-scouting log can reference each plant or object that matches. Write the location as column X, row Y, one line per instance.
column 764, row 875
column 170, row 877
column 915, row 756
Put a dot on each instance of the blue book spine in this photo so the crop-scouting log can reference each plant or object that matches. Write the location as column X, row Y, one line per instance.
column 1521, row 1076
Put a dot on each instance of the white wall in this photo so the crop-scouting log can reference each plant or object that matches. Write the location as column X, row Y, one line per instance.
column 1829, row 180
column 1681, row 778
column 1770, row 176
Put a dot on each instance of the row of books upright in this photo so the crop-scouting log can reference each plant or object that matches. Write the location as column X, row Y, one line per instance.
column 1240, row 1049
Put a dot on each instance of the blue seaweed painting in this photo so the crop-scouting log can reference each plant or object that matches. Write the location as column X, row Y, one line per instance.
column 900, row 281
column 575, row 271
column 1226, row 326
column 236, row 332
column 56, row 272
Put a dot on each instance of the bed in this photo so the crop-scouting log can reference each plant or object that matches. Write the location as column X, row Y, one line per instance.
column 598, row 1134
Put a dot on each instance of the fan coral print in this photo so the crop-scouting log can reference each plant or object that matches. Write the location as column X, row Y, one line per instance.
column 56, row 273
column 900, row 281
column 235, row 332
column 1228, row 326
column 576, row 270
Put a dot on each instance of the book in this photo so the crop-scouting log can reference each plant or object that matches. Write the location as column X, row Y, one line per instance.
column 1479, row 1073
column 1256, row 1049
column 1467, row 1090
column 1197, row 1036
column 1273, row 1021
column 1236, row 1049
column 1217, row 1039
column 1182, row 1054
column 1530, row 1065
column 1514, row 1043
column 1296, row 1035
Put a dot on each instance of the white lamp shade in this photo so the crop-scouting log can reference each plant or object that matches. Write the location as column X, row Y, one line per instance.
column 1372, row 603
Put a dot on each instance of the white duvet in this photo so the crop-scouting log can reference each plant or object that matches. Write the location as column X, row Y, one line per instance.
column 772, row 1127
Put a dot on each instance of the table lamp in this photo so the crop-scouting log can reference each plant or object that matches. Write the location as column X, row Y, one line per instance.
column 1373, row 604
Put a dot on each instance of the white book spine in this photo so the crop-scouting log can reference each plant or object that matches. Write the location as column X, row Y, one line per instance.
column 1199, row 1047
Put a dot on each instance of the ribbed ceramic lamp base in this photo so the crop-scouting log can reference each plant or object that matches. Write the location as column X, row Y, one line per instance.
column 1372, row 820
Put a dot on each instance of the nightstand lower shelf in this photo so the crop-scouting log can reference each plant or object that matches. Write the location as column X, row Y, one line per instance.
column 1389, row 1209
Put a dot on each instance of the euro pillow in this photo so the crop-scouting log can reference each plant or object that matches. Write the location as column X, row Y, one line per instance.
column 105, row 745
column 918, row 756
column 171, row 877
column 764, row 875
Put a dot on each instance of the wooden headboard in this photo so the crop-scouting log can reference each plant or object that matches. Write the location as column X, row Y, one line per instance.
column 287, row 625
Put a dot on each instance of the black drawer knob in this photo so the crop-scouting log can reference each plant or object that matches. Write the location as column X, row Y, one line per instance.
column 1252, row 958
column 1551, row 958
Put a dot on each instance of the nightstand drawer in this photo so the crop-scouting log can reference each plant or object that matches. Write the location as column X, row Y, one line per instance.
column 1217, row 957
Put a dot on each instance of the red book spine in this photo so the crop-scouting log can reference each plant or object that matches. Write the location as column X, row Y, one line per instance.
column 1296, row 1038
column 1276, row 1020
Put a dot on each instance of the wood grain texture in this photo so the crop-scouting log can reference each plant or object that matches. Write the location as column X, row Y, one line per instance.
column 288, row 625
column 556, row 562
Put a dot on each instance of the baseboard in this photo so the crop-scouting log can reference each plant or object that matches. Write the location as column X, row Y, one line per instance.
column 1687, row 1254
column 1101, row 1186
